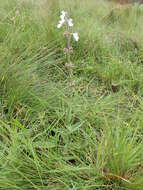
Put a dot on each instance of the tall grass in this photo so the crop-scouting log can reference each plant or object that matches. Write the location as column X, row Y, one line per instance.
column 50, row 139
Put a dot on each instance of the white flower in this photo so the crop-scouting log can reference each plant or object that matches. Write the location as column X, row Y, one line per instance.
column 75, row 36
column 62, row 21
column 70, row 22
column 63, row 13
column 62, row 17
column 59, row 25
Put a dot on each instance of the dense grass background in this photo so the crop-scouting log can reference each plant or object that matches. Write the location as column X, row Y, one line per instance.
column 51, row 140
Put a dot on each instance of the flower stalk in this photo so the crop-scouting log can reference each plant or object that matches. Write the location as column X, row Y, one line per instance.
column 68, row 50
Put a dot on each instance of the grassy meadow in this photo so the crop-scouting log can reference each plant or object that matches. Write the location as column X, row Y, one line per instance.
column 50, row 138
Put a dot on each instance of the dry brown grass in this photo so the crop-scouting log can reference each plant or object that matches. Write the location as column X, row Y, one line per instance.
column 122, row 1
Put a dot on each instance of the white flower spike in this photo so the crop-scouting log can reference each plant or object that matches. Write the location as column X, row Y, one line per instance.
column 64, row 19
column 70, row 22
column 75, row 36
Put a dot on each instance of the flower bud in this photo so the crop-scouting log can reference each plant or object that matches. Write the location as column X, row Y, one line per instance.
column 69, row 65
column 68, row 50
column 67, row 34
column 72, row 83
